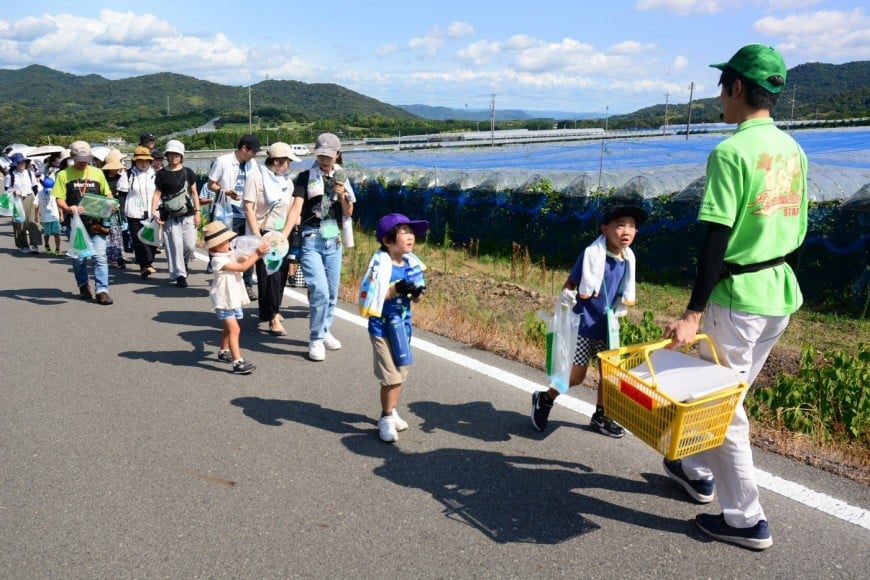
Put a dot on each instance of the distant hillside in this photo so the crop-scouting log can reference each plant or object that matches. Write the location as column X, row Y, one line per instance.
column 36, row 101
column 819, row 91
column 446, row 114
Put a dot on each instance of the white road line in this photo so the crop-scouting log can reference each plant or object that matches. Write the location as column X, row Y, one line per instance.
column 789, row 489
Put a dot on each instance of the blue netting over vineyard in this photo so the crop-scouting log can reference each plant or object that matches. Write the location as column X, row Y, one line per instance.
column 649, row 166
column 494, row 195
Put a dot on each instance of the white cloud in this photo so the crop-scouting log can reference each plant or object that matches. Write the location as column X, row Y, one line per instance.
column 821, row 34
column 631, row 47
column 480, row 53
column 679, row 63
column 459, row 29
column 387, row 49
column 429, row 44
column 682, row 7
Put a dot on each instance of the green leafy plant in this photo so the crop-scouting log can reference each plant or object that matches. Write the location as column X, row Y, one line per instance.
column 644, row 331
column 828, row 399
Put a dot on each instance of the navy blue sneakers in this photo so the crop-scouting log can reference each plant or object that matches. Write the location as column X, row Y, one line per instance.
column 755, row 538
column 701, row 490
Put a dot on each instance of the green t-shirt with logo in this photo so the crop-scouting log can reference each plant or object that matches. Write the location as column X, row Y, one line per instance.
column 757, row 186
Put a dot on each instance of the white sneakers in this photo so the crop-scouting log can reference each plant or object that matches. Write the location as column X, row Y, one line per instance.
column 316, row 350
column 330, row 342
column 400, row 423
column 389, row 427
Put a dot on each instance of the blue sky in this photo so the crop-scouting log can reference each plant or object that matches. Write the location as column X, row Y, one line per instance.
column 615, row 56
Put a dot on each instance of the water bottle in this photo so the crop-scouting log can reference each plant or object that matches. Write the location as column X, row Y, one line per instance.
column 347, row 231
column 399, row 343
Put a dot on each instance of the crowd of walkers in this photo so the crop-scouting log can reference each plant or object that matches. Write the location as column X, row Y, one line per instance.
column 153, row 189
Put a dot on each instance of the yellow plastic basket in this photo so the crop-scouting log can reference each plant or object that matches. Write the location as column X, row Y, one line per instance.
column 673, row 428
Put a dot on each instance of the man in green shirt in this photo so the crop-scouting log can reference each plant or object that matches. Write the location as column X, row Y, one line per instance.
column 755, row 208
column 70, row 186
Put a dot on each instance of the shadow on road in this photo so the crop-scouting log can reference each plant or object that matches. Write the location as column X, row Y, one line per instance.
column 507, row 498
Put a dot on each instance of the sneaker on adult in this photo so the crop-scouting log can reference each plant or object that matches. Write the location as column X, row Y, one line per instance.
column 85, row 292
column 701, row 490
column 387, row 429
column 252, row 292
column 104, row 298
column 330, row 342
column 243, row 367
column 755, row 538
column 34, row 249
column 541, row 407
column 606, row 426
column 24, row 250
column 316, row 350
column 144, row 273
column 181, row 281
column 225, row 356
column 400, row 423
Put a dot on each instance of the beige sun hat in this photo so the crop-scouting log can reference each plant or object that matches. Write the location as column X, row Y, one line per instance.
column 114, row 160
column 279, row 149
column 216, row 233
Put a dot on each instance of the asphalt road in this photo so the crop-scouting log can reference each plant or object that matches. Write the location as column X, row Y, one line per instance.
column 128, row 450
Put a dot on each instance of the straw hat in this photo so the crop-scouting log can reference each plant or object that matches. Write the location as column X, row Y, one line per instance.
column 113, row 160
column 216, row 233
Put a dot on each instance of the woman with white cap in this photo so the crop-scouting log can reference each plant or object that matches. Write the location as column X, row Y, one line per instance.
column 322, row 196
column 266, row 203
column 176, row 197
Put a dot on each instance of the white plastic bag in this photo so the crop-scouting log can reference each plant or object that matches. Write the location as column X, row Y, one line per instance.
column 244, row 246
column 80, row 244
column 151, row 233
column 562, row 327
column 17, row 209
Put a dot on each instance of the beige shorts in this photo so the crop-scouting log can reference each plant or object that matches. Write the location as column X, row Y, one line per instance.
column 385, row 369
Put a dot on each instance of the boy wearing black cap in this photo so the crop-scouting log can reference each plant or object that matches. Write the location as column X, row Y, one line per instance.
column 755, row 208
column 602, row 280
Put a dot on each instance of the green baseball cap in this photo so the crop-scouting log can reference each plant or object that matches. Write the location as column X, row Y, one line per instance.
column 759, row 63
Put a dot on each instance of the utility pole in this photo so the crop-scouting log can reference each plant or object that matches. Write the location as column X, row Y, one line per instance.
column 793, row 88
column 250, row 123
column 167, row 105
column 601, row 161
column 666, row 114
column 689, row 119
column 492, row 120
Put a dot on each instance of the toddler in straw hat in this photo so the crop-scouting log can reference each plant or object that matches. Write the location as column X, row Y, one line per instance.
column 227, row 291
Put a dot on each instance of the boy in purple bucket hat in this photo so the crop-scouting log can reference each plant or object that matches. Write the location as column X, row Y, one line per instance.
column 393, row 280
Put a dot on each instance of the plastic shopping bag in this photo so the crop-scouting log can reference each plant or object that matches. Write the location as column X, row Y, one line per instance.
column 562, row 327
column 222, row 210
column 278, row 248
column 151, row 233
column 17, row 209
column 5, row 204
column 244, row 246
column 80, row 244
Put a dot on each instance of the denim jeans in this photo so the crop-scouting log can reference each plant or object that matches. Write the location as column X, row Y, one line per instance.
column 321, row 265
column 101, row 266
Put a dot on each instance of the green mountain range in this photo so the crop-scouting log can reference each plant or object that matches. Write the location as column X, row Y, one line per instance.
column 36, row 102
